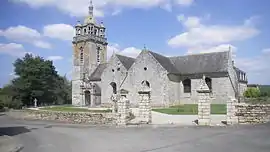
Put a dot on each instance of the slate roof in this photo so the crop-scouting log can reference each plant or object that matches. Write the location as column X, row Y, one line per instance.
column 96, row 75
column 126, row 61
column 201, row 63
column 165, row 62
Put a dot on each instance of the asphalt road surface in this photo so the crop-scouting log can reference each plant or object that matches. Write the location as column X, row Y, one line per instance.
column 38, row 136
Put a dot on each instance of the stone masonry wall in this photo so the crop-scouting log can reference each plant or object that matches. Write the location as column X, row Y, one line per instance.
column 252, row 114
column 123, row 111
column 204, row 104
column 145, row 114
column 70, row 117
column 155, row 74
column 231, row 111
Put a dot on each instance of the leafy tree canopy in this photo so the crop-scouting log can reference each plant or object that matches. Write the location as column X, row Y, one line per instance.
column 37, row 78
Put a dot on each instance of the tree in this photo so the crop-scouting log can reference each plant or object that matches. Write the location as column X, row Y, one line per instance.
column 8, row 97
column 37, row 78
column 252, row 93
column 63, row 91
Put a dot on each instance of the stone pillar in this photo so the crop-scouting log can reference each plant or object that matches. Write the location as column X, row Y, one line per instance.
column 145, row 114
column 92, row 97
column 231, row 112
column 123, row 111
column 204, row 104
column 114, row 103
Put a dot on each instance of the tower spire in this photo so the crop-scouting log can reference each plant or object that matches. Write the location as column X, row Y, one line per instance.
column 91, row 9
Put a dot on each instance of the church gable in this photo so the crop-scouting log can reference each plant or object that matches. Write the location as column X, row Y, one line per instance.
column 146, row 67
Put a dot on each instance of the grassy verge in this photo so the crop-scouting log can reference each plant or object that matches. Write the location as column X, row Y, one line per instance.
column 191, row 109
column 73, row 109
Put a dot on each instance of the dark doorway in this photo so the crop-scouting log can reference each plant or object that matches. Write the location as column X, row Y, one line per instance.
column 87, row 95
column 113, row 84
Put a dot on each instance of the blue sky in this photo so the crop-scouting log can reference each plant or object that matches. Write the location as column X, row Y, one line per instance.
column 170, row 27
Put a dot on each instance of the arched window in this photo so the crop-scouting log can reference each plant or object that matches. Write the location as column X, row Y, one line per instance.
column 113, row 84
column 187, row 86
column 208, row 81
column 98, row 54
column 84, row 31
column 146, row 83
column 81, row 54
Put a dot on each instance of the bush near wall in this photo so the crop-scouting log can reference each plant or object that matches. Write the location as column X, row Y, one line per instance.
column 252, row 93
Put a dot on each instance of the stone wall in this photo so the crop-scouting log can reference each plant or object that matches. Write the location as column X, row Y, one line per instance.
column 154, row 73
column 145, row 114
column 70, row 117
column 252, row 114
column 114, row 72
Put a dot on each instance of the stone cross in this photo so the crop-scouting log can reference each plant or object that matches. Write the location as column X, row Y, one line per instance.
column 35, row 102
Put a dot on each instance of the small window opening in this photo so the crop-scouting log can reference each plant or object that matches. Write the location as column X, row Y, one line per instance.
column 145, row 68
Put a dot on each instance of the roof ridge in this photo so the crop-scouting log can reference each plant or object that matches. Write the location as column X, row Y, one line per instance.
column 170, row 68
column 124, row 56
column 125, row 60
column 198, row 54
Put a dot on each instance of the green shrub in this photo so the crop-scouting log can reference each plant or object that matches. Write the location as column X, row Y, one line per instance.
column 252, row 93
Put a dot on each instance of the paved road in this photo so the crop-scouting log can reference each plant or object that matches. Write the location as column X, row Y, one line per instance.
column 37, row 136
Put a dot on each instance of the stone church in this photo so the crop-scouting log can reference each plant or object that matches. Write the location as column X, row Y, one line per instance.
column 172, row 80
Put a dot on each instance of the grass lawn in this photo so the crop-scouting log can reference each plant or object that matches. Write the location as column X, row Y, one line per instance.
column 191, row 109
column 73, row 109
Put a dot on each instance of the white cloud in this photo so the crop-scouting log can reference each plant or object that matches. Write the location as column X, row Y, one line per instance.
column 218, row 48
column 257, row 68
column 129, row 51
column 55, row 58
column 266, row 51
column 199, row 37
column 13, row 49
column 184, row 2
column 167, row 7
column 112, row 48
column 189, row 22
column 24, row 34
column 203, row 35
column 42, row 44
column 59, row 31
column 79, row 7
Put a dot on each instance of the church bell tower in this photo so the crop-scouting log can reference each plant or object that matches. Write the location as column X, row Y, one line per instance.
column 89, row 50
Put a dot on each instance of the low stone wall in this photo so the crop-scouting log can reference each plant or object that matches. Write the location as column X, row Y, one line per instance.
column 70, row 117
column 252, row 114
